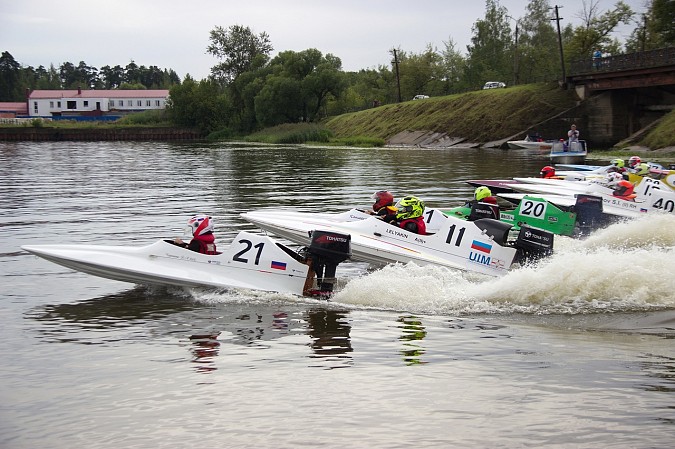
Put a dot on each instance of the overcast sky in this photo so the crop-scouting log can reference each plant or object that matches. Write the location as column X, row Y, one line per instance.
column 174, row 34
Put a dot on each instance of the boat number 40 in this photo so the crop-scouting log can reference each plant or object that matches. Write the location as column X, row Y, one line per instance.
column 666, row 205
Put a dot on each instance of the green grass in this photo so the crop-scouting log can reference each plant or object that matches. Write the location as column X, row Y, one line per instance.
column 291, row 133
column 481, row 116
column 663, row 134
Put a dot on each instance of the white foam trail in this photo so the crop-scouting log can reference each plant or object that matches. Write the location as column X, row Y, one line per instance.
column 628, row 266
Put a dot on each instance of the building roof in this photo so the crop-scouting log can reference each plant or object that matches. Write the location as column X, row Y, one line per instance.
column 112, row 93
column 19, row 108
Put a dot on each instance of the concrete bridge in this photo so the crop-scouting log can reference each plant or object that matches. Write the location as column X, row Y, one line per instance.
column 622, row 94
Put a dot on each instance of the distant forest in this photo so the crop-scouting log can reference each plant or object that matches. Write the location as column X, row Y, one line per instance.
column 248, row 89
column 16, row 78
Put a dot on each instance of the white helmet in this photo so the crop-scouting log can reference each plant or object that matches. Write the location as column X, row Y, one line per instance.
column 614, row 178
column 200, row 224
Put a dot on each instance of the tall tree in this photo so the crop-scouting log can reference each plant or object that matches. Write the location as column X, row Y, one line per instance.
column 655, row 27
column 10, row 75
column 596, row 29
column 536, row 56
column 239, row 49
column 489, row 58
column 453, row 66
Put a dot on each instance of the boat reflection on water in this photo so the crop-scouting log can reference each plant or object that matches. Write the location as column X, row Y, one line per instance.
column 329, row 330
column 413, row 332
column 156, row 315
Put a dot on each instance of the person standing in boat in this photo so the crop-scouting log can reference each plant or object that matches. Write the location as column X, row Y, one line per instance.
column 409, row 215
column 203, row 239
column 572, row 137
column 383, row 206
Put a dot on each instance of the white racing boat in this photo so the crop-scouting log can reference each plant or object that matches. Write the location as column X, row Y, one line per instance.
column 251, row 261
column 652, row 196
column 481, row 246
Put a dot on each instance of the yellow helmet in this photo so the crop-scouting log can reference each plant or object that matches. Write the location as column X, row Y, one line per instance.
column 481, row 193
column 409, row 207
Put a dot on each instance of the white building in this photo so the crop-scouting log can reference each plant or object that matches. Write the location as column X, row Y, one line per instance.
column 78, row 102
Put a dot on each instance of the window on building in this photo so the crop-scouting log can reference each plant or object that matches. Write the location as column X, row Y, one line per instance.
column 86, row 104
column 58, row 104
column 120, row 102
column 157, row 103
column 130, row 102
column 139, row 103
column 35, row 107
column 147, row 103
column 51, row 105
column 111, row 103
column 71, row 104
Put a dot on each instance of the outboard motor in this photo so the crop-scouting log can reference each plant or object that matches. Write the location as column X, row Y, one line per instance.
column 590, row 215
column 497, row 230
column 327, row 250
column 533, row 243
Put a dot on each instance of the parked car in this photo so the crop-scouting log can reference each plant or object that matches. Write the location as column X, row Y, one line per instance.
column 494, row 85
column 420, row 97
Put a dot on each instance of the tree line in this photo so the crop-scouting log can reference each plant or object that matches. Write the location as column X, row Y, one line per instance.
column 15, row 78
column 248, row 89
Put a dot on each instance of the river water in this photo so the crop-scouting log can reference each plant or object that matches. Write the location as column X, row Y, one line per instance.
column 578, row 351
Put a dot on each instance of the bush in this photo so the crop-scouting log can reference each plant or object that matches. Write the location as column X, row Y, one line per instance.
column 222, row 134
column 291, row 133
column 145, row 118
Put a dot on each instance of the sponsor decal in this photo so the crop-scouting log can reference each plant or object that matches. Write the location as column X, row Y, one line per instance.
column 480, row 246
column 642, row 209
column 397, row 233
column 497, row 263
column 479, row 258
column 278, row 265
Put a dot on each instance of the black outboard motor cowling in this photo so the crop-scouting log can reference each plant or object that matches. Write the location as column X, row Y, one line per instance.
column 533, row 243
column 590, row 215
column 328, row 249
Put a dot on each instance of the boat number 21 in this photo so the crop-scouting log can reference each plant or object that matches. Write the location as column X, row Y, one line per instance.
column 248, row 245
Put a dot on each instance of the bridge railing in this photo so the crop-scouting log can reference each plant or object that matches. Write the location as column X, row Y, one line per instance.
column 630, row 61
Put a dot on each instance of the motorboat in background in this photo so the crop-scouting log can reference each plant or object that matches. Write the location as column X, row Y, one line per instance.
column 572, row 153
column 531, row 142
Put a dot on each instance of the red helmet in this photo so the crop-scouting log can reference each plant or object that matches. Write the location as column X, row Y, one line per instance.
column 634, row 161
column 382, row 199
column 547, row 172
column 623, row 188
column 200, row 224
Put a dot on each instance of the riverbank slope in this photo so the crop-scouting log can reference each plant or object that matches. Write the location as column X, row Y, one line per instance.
column 488, row 118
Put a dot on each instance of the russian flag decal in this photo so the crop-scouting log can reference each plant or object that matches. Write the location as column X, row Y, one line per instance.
column 278, row 265
column 480, row 246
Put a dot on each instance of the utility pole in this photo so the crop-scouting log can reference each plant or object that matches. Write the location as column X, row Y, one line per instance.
column 562, row 59
column 515, row 53
column 398, row 79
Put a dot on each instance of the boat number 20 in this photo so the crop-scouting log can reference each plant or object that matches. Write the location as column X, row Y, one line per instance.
column 248, row 245
column 533, row 209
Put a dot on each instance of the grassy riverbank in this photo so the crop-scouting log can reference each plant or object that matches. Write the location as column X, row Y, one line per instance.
column 480, row 116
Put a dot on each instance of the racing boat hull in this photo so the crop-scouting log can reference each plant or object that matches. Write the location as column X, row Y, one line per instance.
column 251, row 262
column 454, row 243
